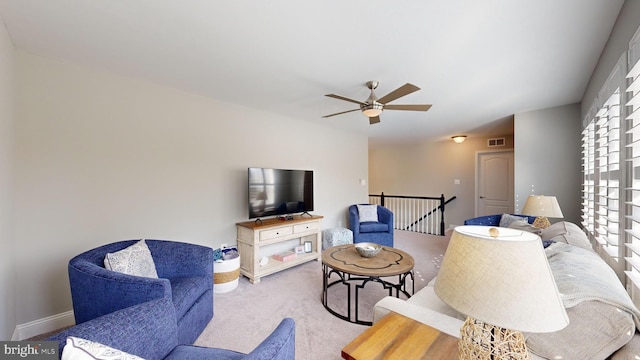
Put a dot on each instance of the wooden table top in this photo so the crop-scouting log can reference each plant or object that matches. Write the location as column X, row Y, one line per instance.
column 398, row 337
column 269, row 222
column 389, row 261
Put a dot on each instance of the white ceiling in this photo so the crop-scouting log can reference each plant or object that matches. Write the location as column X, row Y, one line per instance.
column 477, row 62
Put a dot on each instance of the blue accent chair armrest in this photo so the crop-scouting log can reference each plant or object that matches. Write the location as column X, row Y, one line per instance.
column 175, row 259
column 148, row 330
column 279, row 345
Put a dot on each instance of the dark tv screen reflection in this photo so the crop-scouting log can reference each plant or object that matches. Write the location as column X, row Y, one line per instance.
column 279, row 192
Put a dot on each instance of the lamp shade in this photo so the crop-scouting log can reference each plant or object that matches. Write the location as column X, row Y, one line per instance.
column 503, row 280
column 541, row 205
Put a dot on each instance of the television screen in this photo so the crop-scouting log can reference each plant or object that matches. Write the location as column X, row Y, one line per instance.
column 279, row 192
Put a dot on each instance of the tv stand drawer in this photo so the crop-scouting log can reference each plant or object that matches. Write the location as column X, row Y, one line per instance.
column 275, row 233
column 310, row 226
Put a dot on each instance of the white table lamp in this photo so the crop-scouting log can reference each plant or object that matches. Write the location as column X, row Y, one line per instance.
column 501, row 280
column 543, row 207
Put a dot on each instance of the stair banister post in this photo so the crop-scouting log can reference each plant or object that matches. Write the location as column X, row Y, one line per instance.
column 441, row 214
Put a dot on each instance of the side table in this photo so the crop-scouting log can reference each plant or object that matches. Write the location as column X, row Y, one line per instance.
column 398, row 337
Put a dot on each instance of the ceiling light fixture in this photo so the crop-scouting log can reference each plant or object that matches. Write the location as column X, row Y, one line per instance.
column 458, row 139
column 371, row 109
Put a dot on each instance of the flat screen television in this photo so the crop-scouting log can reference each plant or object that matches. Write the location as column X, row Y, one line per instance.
column 279, row 192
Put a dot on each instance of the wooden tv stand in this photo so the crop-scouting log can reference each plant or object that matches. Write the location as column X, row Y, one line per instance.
column 254, row 237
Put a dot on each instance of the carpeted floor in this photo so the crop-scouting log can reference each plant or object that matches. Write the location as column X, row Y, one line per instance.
column 245, row 316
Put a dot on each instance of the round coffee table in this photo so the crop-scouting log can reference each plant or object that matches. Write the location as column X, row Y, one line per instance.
column 356, row 271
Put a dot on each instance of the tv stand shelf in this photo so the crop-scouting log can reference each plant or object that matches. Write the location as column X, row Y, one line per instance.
column 255, row 236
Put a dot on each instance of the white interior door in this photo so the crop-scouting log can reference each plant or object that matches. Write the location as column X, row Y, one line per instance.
column 494, row 188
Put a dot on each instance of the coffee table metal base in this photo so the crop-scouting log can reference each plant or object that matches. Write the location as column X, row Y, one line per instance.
column 359, row 282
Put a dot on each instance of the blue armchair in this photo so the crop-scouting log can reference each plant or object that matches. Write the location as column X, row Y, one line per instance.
column 185, row 276
column 149, row 330
column 380, row 232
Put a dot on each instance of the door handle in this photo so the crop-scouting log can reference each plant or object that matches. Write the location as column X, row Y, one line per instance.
column 481, row 197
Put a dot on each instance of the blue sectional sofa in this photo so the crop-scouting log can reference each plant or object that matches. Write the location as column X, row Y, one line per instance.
column 150, row 330
column 185, row 277
column 494, row 220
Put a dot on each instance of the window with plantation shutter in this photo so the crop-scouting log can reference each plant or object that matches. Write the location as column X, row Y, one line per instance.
column 602, row 170
column 588, row 173
column 632, row 178
column 607, row 174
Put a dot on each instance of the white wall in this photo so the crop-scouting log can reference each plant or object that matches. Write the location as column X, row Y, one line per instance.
column 7, row 278
column 101, row 158
column 627, row 23
column 547, row 157
column 429, row 168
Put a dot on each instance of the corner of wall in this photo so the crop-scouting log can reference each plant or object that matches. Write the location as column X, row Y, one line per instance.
column 538, row 167
column 7, row 261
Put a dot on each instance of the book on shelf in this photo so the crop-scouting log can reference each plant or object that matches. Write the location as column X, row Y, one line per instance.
column 285, row 256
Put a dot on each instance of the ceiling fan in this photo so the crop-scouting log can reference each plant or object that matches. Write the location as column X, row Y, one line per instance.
column 373, row 106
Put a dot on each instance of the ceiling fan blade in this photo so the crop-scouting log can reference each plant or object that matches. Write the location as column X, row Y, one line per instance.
column 374, row 120
column 408, row 107
column 345, row 99
column 403, row 90
column 344, row 112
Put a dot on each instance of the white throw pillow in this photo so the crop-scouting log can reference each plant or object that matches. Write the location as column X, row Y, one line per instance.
column 568, row 233
column 507, row 219
column 368, row 213
column 134, row 260
column 557, row 229
column 525, row 226
column 81, row 349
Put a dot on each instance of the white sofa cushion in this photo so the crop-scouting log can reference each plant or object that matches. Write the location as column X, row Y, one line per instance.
column 630, row 351
column 445, row 323
column 595, row 329
column 427, row 297
column 568, row 233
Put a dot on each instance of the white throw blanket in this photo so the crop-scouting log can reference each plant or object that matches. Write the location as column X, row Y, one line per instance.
column 581, row 275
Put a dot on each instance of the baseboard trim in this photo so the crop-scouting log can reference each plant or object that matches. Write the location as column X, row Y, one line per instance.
column 44, row 325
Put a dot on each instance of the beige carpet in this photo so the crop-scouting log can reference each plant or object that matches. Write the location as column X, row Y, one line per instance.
column 245, row 316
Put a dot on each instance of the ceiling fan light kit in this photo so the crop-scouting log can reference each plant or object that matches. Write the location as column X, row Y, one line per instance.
column 371, row 110
column 374, row 106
